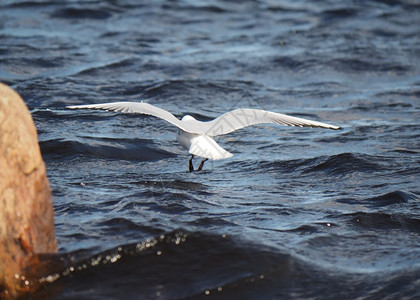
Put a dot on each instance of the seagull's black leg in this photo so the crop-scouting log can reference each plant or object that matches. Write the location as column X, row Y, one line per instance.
column 202, row 164
column 190, row 163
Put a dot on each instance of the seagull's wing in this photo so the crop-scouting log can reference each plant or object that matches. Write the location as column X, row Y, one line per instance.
column 243, row 117
column 140, row 108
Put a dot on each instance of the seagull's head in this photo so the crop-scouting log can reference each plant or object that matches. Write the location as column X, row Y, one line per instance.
column 187, row 118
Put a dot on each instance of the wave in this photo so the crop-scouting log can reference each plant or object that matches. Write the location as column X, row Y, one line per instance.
column 108, row 68
column 126, row 227
column 123, row 149
column 79, row 13
column 166, row 267
column 382, row 221
column 391, row 198
column 358, row 65
column 338, row 165
column 190, row 7
column 345, row 163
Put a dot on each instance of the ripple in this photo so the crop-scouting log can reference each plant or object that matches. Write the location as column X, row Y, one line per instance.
column 81, row 13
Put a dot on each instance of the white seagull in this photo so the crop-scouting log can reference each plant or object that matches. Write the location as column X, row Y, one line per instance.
column 197, row 136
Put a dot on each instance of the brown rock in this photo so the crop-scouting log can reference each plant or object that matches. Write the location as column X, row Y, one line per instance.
column 26, row 211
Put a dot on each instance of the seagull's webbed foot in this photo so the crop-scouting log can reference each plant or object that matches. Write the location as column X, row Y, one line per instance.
column 191, row 167
column 202, row 164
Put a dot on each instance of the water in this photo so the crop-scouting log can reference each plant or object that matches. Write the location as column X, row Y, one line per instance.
column 295, row 213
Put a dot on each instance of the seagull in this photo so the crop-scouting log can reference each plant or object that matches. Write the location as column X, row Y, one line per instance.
column 197, row 136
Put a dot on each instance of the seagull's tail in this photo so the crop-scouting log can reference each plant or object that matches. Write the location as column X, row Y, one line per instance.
column 206, row 147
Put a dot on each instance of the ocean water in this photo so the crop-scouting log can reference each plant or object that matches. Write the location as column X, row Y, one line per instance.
column 296, row 213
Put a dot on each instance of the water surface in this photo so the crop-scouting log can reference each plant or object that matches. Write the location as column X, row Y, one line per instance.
column 295, row 213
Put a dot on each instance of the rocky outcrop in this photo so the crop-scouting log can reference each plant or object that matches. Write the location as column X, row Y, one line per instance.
column 26, row 211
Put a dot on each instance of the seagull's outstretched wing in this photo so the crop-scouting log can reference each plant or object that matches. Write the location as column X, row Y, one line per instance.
column 140, row 108
column 226, row 123
column 243, row 117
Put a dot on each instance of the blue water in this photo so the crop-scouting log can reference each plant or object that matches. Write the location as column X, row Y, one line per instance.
column 295, row 213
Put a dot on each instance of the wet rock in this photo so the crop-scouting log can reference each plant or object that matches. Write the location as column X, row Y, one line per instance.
column 26, row 211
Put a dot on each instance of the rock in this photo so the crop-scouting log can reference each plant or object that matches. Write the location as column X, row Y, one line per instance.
column 26, row 210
